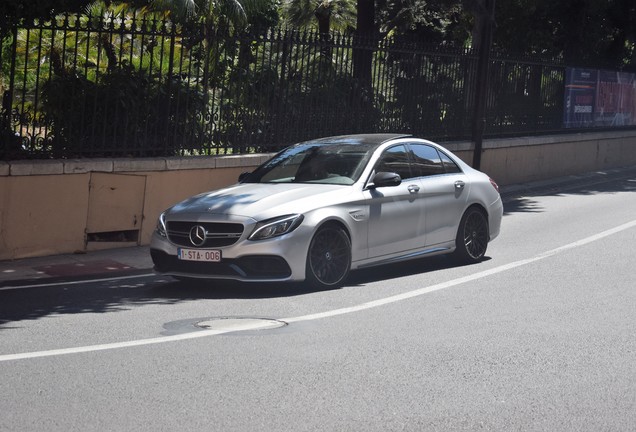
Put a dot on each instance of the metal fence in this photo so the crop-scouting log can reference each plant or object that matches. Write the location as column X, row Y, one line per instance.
column 82, row 86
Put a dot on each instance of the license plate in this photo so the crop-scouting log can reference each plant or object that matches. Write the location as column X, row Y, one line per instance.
column 199, row 255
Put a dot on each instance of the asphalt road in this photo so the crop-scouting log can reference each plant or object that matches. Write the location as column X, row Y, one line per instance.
column 541, row 336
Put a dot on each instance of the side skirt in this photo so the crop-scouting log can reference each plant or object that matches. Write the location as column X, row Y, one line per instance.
column 409, row 256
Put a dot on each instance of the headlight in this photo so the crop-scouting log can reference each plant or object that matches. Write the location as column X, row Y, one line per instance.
column 276, row 227
column 161, row 225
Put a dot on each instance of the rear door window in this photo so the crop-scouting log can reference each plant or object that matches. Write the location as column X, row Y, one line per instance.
column 426, row 161
column 449, row 165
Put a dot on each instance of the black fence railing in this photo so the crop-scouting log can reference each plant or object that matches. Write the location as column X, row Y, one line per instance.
column 82, row 86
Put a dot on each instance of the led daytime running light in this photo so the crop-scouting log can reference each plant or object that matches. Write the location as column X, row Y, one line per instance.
column 276, row 227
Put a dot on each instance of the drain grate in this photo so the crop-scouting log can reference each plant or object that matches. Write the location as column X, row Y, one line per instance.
column 239, row 324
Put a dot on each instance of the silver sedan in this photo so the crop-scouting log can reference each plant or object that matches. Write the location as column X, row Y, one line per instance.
column 319, row 209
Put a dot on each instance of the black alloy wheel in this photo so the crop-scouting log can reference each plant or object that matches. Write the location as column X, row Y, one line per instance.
column 328, row 258
column 472, row 236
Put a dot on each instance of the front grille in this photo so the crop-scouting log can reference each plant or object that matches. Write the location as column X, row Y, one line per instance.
column 217, row 234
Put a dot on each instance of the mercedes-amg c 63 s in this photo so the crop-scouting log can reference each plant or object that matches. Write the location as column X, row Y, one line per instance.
column 319, row 209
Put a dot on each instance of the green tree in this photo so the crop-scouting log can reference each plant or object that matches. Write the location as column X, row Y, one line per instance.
column 225, row 15
column 13, row 12
column 212, row 22
column 325, row 15
column 442, row 21
column 582, row 32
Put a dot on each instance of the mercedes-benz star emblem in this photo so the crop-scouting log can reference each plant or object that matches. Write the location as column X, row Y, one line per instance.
column 197, row 235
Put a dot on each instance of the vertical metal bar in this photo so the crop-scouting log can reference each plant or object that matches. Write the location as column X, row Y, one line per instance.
column 273, row 103
column 79, row 29
column 387, row 87
column 24, row 115
column 209, row 97
column 7, row 98
column 36, row 90
column 479, row 121
column 113, row 142
column 135, row 31
column 121, row 33
column 45, row 123
column 183, row 127
column 176, row 118
column 93, row 137
column 65, row 28
column 375, row 87
column 239, row 110
column 164, row 107
column 148, row 28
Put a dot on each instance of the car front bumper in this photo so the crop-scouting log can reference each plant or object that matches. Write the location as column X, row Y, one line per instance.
column 278, row 259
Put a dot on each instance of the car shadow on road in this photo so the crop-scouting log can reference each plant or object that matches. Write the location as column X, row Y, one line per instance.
column 520, row 199
column 223, row 290
column 406, row 268
column 521, row 204
column 121, row 295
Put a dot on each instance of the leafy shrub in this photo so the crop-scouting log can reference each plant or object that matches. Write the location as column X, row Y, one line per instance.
column 124, row 113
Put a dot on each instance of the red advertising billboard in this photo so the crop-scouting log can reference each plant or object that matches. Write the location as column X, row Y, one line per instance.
column 599, row 98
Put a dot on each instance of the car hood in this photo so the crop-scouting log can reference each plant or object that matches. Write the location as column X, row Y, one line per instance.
column 260, row 200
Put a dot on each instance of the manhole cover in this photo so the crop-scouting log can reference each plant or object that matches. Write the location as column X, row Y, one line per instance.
column 240, row 324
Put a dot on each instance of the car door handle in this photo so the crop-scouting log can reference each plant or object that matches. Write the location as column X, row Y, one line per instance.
column 459, row 184
column 413, row 188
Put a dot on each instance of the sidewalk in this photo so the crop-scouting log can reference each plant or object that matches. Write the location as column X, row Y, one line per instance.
column 136, row 260
column 104, row 263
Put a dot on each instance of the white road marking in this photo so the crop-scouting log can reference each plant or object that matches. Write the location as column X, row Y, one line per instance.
column 255, row 325
column 462, row 280
column 42, row 285
column 250, row 325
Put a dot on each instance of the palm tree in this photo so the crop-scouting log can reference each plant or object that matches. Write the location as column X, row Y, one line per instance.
column 329, row 14
column 212, row 22
column 221, row 14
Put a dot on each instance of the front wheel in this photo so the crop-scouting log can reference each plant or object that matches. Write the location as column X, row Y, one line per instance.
column 328, row 258
column 472, row 236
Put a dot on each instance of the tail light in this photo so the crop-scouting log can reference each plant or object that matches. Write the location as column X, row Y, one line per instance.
column 494, row 184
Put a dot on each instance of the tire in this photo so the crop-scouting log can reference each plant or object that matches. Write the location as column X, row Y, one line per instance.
column 472, row 236
column 328, row 258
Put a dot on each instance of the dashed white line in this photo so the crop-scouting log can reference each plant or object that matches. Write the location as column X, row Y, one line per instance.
column 254, row 325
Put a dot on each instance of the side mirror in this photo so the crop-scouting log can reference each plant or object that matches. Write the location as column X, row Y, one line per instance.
column 384, row 179
column 243, row 176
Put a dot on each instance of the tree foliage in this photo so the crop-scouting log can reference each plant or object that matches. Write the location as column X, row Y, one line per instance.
column 325, row 15
column 582, row 32
column 224, row 15
column 585, row 32
column 440, row 22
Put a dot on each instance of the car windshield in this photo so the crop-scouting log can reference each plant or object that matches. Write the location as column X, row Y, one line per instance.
column 329, row 163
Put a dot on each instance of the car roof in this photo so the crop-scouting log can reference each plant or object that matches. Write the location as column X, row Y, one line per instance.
column 373, row 139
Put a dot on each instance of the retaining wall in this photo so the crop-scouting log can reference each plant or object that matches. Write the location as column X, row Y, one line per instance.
column 65, row 206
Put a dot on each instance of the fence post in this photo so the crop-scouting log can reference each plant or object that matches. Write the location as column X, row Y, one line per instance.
column 7, row 133
column 479, row 120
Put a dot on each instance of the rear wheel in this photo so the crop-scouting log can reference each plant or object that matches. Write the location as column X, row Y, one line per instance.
column 472, row 236
column 328, row 258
